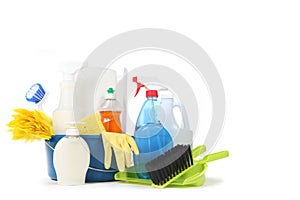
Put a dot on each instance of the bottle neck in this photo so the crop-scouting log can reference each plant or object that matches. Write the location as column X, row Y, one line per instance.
column 72, row 136
column 152, row 98
column 66, row 94
column 154, row 112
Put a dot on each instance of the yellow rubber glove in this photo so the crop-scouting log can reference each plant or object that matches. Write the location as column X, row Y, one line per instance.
column 92, row 125
column 122, row 144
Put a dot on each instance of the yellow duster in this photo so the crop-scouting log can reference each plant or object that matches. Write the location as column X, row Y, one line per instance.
column 30, row 125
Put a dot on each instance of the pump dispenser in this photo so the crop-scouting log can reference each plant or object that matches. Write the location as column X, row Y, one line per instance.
column 71, row 158
column 64, row 111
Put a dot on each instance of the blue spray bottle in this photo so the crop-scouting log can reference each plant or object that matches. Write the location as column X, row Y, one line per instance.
column 150, row 136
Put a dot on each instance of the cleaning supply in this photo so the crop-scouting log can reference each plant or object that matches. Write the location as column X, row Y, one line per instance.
column 122, row 144
column 150, row 136
column 163, row 168
column 170, row 166
column 91, row 125
column 195, row 176
column 64, row 112
column 192, row 178
column 30, row 125
column 110, row 111
column 36, row 94
column 71, row 158
column 96, row 171
column 180, row 134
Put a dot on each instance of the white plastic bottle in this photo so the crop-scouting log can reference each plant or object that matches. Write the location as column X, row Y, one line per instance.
column 64, row 112
column 180, row 134
column 71, row 158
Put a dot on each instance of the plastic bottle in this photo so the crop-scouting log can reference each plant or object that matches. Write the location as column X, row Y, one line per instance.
column 64, row 111
column 150, row 136
column 110, row 111
column 150, row 110
column 71, row 158
column 180, row 135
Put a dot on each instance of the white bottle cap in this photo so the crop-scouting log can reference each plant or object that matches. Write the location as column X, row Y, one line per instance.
column 72, row 130
column 166, row 94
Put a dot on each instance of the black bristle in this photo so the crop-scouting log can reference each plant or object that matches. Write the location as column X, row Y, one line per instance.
column 165, row 167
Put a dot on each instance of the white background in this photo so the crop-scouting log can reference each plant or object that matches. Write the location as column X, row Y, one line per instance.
column 254, row 44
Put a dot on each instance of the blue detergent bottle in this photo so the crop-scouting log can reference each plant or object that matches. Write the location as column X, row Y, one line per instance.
column 150, row 135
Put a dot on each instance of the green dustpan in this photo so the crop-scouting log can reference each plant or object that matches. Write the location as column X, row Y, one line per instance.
column 193, row 176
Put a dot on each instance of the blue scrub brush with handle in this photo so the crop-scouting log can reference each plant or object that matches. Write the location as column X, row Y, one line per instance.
column 36, row 94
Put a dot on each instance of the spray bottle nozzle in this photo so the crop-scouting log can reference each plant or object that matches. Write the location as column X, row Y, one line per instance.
column 134, row 79
column 69, row 69
column 138, row 85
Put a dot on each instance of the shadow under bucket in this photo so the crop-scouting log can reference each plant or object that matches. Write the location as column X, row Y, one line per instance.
column 96, row 171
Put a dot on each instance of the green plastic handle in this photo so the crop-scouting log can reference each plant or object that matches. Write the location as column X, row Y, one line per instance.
column 215, row 156
column 192, row 170
column 207, row 158
column 198, row 151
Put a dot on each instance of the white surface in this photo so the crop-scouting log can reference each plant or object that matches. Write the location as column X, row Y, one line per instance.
column 255, row 46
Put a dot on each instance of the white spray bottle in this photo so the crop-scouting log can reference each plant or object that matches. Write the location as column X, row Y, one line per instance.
column 64, row 112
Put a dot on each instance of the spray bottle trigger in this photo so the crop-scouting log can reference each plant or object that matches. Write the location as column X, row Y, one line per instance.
column 139, row 85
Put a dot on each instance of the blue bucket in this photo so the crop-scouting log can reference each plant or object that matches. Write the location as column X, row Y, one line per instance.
column 96, row 171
